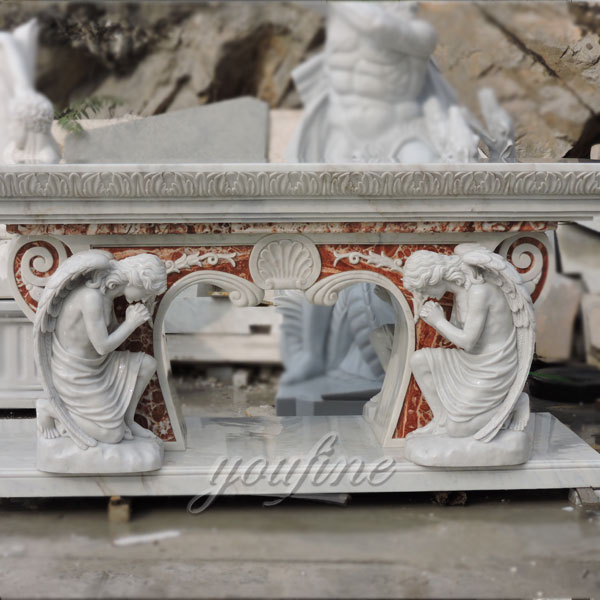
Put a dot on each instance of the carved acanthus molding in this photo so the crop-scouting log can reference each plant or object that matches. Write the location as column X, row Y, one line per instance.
column 277, row 183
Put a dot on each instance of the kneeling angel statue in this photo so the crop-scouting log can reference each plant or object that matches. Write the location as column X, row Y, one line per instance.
column 474, row 390
column 86, row 423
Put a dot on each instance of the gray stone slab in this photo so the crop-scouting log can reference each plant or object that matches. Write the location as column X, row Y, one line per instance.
column 555, row 319
column 233, row 131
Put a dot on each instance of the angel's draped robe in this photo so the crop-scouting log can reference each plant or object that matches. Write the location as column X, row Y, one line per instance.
column 98, row 390
column 470, row 384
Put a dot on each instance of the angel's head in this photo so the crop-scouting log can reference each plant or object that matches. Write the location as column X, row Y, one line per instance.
column 430, row 275
column 430, row 271
column 141, row 277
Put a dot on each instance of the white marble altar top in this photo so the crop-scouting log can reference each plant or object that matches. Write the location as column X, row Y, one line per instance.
column 294, row 193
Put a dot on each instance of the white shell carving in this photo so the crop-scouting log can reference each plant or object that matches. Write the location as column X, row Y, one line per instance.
column 285, row 262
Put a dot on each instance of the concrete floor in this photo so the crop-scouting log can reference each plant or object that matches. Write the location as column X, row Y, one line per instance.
column 532, row 545
column 498, row 545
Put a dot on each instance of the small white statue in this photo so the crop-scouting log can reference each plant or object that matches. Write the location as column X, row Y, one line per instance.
column 25, row 115
column 475, row 390
column 86, row 423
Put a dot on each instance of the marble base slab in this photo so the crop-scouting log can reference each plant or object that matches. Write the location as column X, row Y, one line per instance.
column 61, row 455
column 509, row 447
column 560, row 459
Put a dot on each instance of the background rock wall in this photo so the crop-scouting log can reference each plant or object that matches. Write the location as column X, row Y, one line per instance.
column 543, row 59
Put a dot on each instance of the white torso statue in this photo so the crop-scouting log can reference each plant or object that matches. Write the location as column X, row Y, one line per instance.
column 376, row 60
column 376, row 95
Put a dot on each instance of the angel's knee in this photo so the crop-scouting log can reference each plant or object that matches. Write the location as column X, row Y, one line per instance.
column 419, row 365
column 148, row 367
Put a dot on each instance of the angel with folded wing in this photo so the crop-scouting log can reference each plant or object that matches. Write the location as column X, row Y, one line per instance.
column 92, row 388
column 25, row 114
column 476, row 388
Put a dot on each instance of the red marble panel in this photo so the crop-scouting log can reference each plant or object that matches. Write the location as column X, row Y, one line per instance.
column 415, row 410
column 152, row 411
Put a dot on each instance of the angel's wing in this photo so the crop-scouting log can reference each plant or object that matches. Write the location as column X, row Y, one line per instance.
column 500, row 272
column 67, row 276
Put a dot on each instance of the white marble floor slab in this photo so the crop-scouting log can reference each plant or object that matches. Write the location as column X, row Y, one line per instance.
column 280, row 455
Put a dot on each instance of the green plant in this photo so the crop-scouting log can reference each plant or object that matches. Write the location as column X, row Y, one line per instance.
column 69, row 117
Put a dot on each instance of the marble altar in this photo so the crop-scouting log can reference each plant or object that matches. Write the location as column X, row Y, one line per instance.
column 346, row 224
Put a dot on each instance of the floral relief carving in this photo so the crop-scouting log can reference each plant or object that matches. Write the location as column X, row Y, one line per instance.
column 195, row 259
column 380, row 261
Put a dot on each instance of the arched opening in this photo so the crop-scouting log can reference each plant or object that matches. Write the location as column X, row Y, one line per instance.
column 376, row 394
column 383, row 410
column 240, row 293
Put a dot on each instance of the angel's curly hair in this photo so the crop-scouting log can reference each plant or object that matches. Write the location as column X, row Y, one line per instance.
column 429, row 268
column 141, row 270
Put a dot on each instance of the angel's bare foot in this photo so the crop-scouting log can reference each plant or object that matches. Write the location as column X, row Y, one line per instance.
column 48, row 431
column 138, row 431
column 46, row 423
column 520, row 414
column 127, row 434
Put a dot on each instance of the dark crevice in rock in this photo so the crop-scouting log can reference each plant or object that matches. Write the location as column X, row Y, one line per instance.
column 538, row 58
column 164, row 105
column 239, row 70
column 518, row 42
column 590, row 136
column 486, row 71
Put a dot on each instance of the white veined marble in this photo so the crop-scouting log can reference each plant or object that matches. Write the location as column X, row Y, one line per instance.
column 560, row 459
